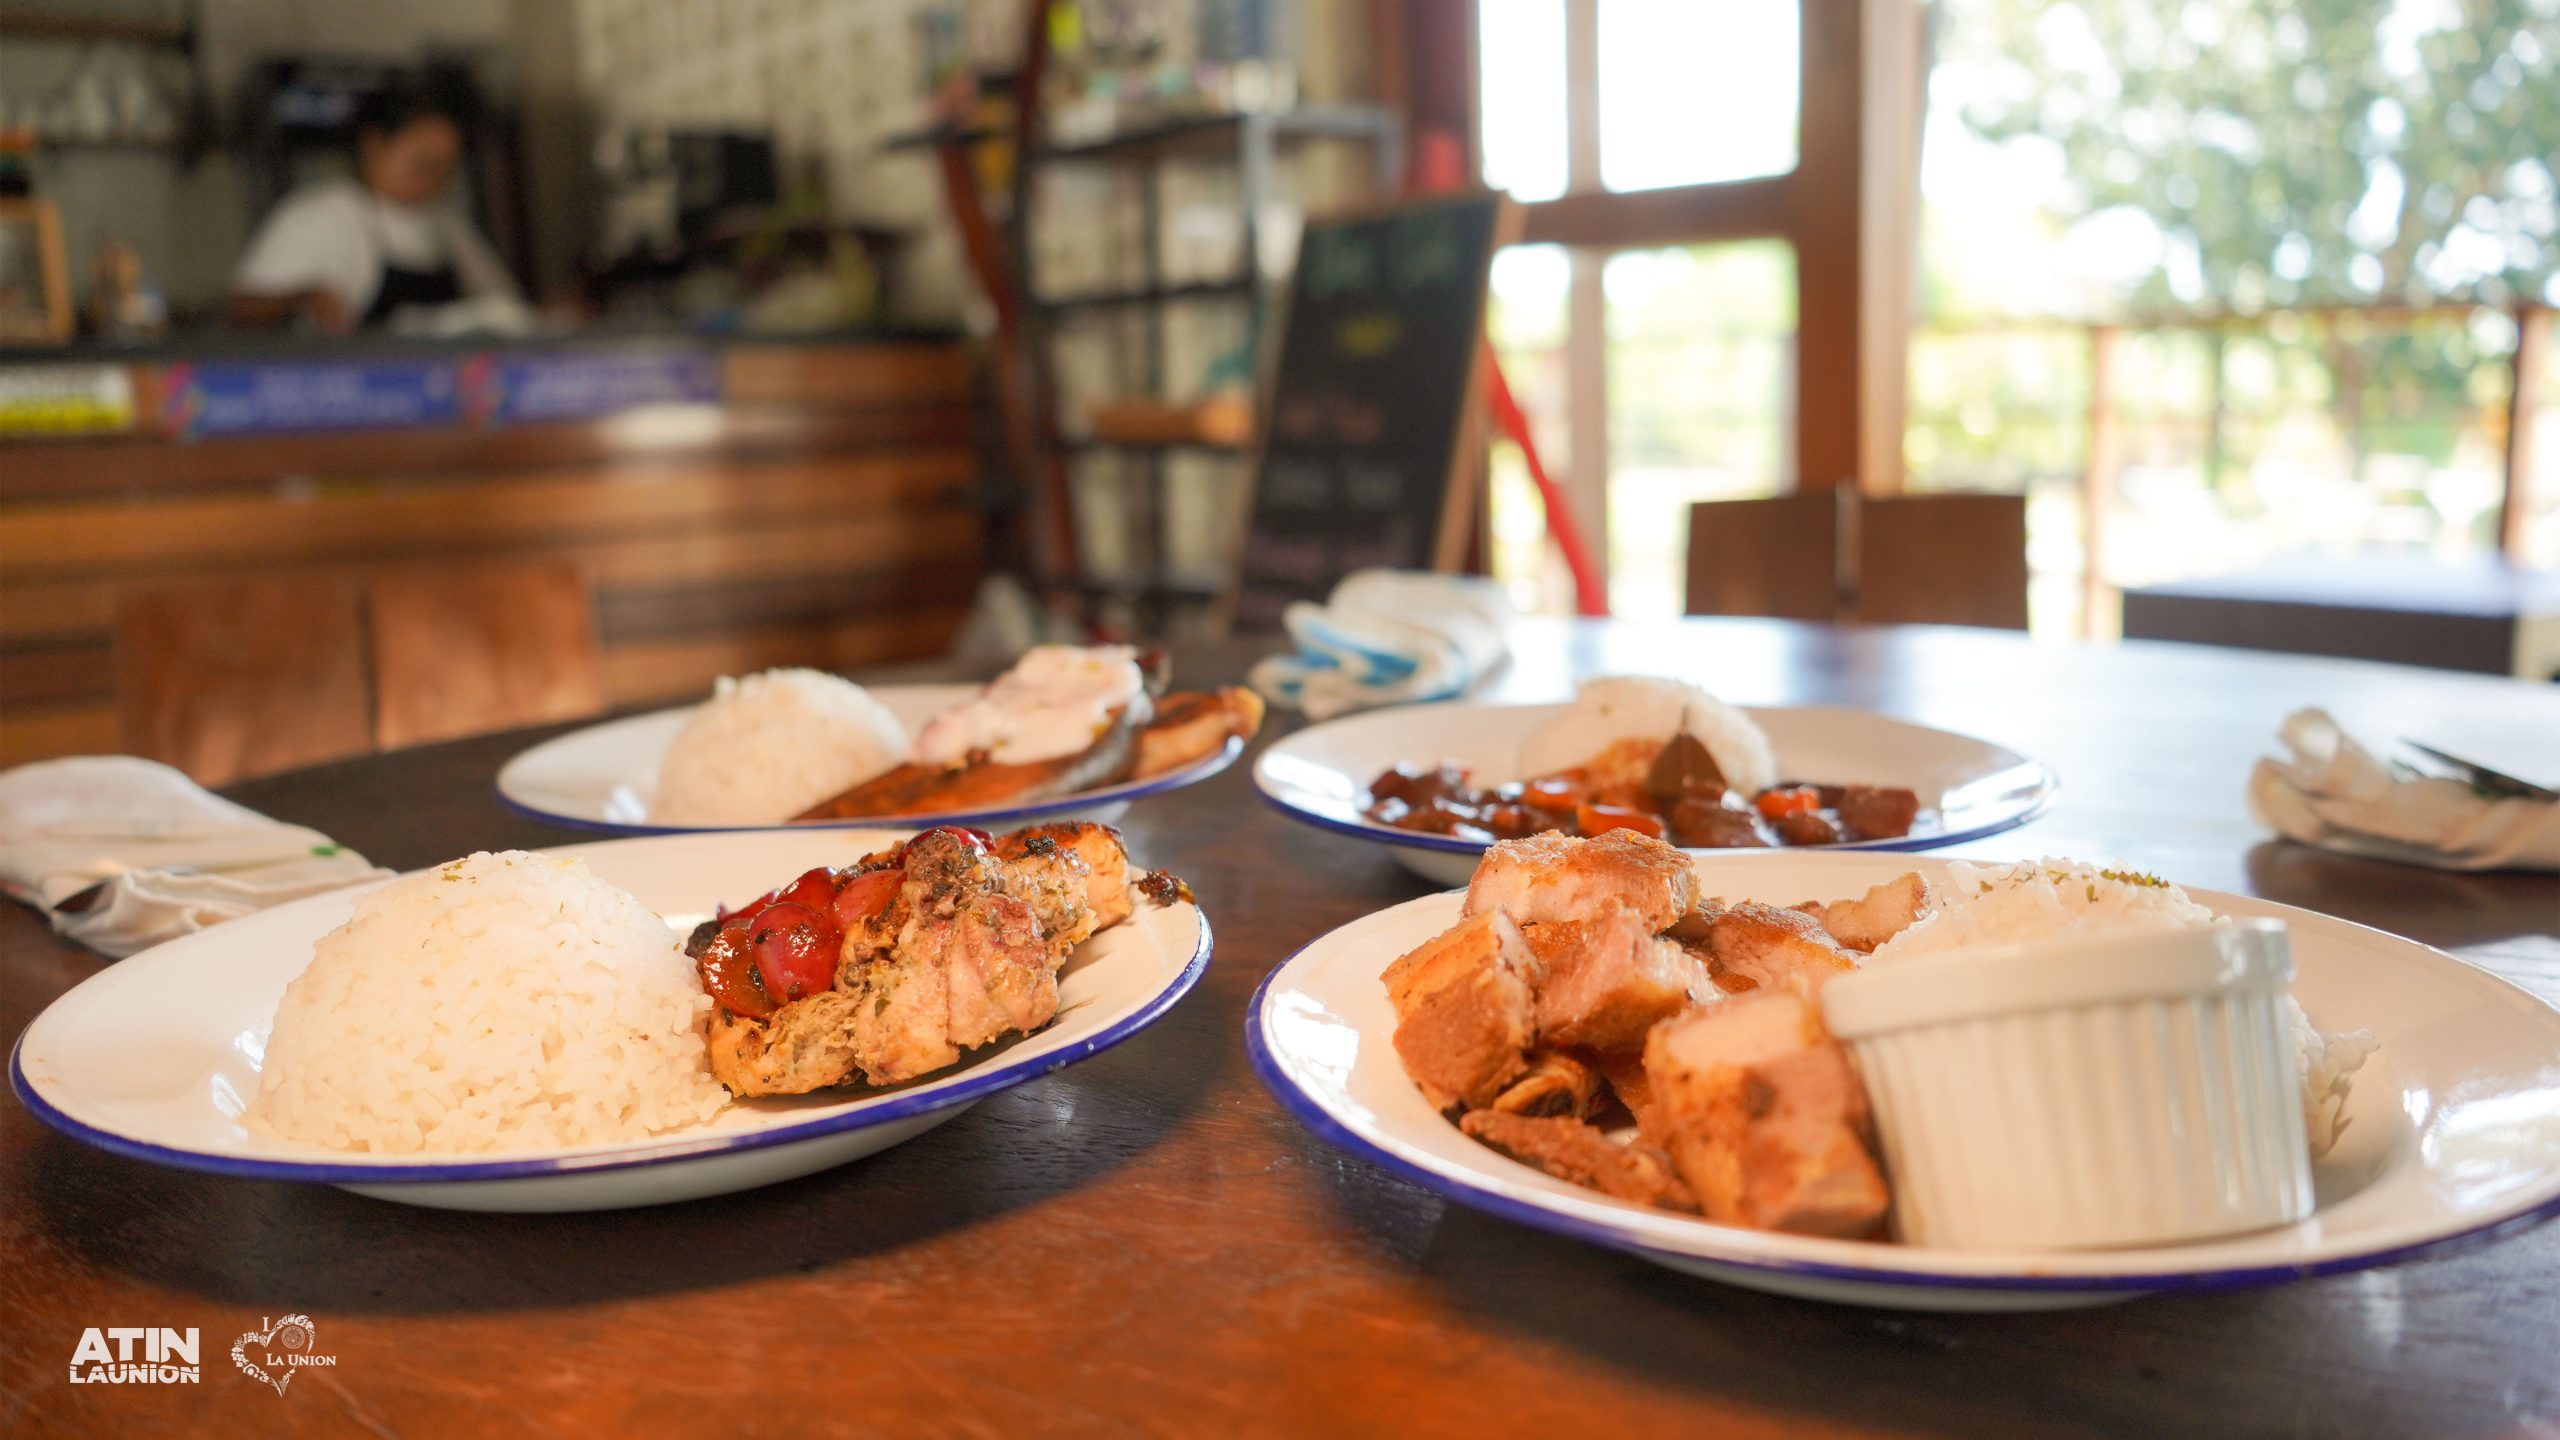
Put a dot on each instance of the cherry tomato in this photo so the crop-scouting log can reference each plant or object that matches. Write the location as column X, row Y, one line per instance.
column 1593, row 819
column 1793, row 800
column 729, row 973
column 796, row 950
column 813, row 889
column 866, row 895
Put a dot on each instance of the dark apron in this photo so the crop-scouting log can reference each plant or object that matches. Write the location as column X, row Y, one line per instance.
column 399, row 287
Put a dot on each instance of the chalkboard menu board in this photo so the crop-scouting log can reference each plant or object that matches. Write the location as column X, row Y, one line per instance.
column 1370, row 402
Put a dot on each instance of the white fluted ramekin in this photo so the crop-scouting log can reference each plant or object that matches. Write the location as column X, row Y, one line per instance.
column 2125, row 1089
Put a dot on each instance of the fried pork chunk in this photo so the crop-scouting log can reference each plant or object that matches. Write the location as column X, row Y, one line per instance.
column 1877, row 916
column 1466, row 1011
column 1580, row 1154
column 1609, row 978
column 1771, row 947
column 1764, row 1117
column 1556, row 1082
column 1556, row 877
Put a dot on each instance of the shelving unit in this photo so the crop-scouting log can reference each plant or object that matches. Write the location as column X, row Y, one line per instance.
column 1255, row 143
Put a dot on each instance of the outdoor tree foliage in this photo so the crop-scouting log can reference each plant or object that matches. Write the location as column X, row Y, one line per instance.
column 2319, row 150
column 2310, row 152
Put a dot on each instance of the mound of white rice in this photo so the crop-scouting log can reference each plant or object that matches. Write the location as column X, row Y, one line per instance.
column 1646, row 708
column 765, row 748
column 501, row 1002
column 2056, row 898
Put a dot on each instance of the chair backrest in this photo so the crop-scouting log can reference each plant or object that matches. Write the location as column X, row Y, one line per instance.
column 1779, row 556
column 226, row 679
column 1941, row 560
column 464, row 650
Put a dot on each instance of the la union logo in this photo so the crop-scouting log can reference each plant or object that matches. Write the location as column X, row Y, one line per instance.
column 273, row 1356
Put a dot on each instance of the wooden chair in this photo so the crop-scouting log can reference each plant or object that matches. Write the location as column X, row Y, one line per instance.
column 1779, row 556
column 464, row 650
column 1941, row 560
column 226, row 679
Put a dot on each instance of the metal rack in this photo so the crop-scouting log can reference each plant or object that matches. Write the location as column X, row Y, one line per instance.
column 1255, row 142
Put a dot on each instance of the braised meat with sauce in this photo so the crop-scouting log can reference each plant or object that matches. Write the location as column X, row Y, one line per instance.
column 1683, row 799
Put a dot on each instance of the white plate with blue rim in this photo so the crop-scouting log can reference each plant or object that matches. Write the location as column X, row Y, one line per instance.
column 153, row 1057
column 1968, row 788
column 2452, row 1133
column 604, row 777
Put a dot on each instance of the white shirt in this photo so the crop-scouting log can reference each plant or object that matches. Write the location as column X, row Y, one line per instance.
column 338, row 236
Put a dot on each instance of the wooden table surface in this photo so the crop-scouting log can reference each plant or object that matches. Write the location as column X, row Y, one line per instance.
column 1145, row 1244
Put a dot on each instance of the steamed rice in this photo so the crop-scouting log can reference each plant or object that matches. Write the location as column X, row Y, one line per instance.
column 769, row 746
column 502, row 1002
column 1617, row 724
column 2057, row 899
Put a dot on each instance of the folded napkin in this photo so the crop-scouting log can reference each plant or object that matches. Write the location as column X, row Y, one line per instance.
column 173, row 857
column 1387, row 637
column 2331, row 792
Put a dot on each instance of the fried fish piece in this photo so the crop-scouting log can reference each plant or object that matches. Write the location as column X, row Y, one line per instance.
column 1558, row 877
column 1191, row 725
column 1465, row 1011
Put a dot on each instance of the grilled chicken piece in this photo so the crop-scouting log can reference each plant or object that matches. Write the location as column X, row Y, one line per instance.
column 965, row 953
column 1609, row 978
column 913, row 789
column 1771, row 947
column 1877, row 916
column 807, row 1045
column 1765, row 1118
column 1191, row 725
column 1579, row 1154
column 1465, row 1011
column 1074, row 874
column 1557, row 1082
column 1557, row 877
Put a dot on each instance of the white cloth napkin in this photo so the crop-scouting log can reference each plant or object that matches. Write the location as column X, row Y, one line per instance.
column 2331, row 792
column 175, row 857
column 1387, row 637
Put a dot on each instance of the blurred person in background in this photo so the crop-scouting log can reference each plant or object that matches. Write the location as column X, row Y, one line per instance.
column 381, row 250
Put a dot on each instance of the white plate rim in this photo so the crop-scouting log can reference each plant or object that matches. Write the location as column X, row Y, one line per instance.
column 1083, row 800
column 969, row 1085
column 1599, row 1220
column 1279, row 796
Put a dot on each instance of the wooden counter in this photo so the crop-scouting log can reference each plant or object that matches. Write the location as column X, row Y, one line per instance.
column 819, row 514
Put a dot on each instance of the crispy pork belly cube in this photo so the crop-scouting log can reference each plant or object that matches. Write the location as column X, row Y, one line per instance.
column 1556, row 877
column 1877, row 916
column 1624, row 1072
column 1557, row 1082
column 1578, row 1153
column 1773, row 948
column 1609, row 978
column 1466, row 1010
column 1765, row 1118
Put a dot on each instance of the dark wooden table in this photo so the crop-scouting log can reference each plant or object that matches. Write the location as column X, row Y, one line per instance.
column 1145, row 1244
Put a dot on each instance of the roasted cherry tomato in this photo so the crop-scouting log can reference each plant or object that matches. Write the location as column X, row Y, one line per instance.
column 728, row 970
column 866, row 895
column 814, row 889
column 796, row 950
column 1593, row 819
column 1791, row 800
